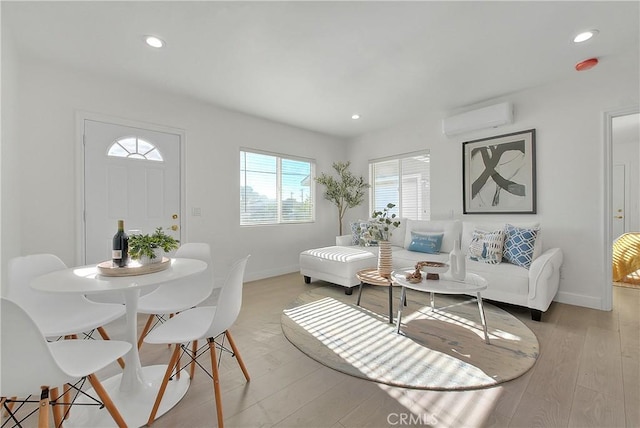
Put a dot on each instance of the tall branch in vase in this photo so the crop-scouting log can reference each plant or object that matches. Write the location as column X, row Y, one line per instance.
column 346, row 191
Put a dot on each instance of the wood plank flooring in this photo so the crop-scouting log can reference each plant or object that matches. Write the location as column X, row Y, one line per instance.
column 588, row 375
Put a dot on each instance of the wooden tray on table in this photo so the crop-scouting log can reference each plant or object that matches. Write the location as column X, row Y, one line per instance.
column 134, row 268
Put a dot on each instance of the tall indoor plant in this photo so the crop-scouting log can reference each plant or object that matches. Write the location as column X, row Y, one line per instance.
column 346, row 191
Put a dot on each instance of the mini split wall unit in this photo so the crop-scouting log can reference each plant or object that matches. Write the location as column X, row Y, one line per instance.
column 486, row 117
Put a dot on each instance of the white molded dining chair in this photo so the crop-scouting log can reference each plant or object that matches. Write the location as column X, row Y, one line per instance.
column 177, row 296
column 206, row 322
column 56, row 314
column 31, row 365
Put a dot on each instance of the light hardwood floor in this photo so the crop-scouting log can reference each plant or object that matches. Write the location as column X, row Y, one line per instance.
column 587, row 375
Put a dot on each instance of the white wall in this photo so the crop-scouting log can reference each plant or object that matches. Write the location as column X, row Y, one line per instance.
column 568, row 118
column 10, row 244
column 46, row 180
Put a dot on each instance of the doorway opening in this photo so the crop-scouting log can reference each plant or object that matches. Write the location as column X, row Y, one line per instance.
column 623, row 135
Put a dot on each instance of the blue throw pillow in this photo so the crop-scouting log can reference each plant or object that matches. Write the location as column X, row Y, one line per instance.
column 426, row 242
column 518, row 245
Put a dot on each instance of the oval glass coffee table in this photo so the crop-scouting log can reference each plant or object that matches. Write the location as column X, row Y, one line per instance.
column 472, row 284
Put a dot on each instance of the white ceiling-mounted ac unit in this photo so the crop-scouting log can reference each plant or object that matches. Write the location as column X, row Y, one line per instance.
column 486, row 117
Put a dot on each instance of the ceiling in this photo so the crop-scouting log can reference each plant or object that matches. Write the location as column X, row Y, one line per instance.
column 314, row 64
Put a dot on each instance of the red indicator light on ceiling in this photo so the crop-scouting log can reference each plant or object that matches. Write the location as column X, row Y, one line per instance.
column 587, row 64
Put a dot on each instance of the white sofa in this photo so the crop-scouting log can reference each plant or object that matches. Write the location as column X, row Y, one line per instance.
column 534, row 288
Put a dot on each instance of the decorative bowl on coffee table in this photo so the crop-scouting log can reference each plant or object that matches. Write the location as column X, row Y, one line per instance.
column 433, row 269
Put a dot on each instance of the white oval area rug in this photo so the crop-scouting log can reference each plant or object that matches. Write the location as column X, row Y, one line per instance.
column 441, row 350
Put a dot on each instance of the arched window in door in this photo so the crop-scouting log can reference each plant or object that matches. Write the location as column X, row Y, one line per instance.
column 134, row 148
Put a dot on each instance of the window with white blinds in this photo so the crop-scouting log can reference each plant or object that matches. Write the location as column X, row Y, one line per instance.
column 404, row 181
column 275, row 189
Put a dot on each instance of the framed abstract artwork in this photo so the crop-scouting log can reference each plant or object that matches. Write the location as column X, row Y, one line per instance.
column 499, row 174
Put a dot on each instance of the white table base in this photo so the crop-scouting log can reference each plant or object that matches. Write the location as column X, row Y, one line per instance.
column 135, row 407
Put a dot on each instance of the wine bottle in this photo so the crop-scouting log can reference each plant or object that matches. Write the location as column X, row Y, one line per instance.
column 120, row 253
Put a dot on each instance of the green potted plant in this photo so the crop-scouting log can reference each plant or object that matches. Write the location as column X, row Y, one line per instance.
column 346, row 191
column 149, row 248
column 379, row 229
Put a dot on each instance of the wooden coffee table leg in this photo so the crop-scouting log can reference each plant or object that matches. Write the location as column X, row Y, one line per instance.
column 483, row 319
column 403, row 295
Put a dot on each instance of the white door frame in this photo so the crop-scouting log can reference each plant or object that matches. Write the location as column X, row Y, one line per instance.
column 607, row 287
column 81, row 116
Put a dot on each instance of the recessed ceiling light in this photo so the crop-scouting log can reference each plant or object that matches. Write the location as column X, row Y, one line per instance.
column 584, row 36
column 355, row 117
column 154, row 42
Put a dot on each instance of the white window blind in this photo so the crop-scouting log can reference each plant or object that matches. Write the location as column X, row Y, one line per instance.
column 404, row 181
column 275, row 189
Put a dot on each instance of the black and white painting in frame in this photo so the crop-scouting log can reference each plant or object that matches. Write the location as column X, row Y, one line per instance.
column 499, row 174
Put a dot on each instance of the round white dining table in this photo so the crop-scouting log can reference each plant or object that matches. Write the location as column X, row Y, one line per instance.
column 135, row 389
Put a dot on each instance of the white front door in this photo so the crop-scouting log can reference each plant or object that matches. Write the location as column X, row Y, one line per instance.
column 131, row 174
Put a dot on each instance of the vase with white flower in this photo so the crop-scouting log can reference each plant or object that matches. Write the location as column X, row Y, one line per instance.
column 380, row 229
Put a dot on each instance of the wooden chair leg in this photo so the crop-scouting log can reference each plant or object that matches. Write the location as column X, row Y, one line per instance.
column 57, row 410
column 9, row 405
column 106, row 400
column 237, row 354
column 163, row 386
column 194, row 349
column 105, row 336
column 216, row 381
column 145, row 330
column 43, row 410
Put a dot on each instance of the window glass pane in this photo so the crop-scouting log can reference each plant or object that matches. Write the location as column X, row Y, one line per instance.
column 134, row 148
column 403, row 181
column 144, row 147
column 154, row 155
column 118, row 151
column 385, row 184
column 258, row 191
column 129, row 144
column 274, row 189
column 296, row 190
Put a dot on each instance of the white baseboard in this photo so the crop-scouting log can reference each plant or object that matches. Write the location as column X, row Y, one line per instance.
column 268, row 273
column 579, row 300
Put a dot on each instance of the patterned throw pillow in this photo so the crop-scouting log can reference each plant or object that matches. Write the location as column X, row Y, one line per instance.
column 486, row 246
column 355, row 233
column 365, row 235
column 429, row 243
column 519, row 244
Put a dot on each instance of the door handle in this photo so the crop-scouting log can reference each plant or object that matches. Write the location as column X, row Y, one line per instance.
column 619, row 216
column 175, row 227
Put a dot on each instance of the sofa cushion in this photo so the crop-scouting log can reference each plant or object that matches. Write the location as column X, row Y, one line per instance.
column 503, row 278
column 397, row 235
column 519, row 244
column 468, row 227
column 426, row 242
column 486, row 246
column 450, row 228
